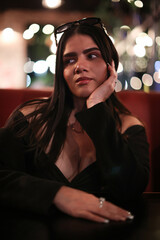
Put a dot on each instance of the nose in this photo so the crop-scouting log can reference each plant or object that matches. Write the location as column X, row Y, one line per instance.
column 81, row 66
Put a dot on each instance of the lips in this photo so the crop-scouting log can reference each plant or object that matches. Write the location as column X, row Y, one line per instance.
column 83, row 80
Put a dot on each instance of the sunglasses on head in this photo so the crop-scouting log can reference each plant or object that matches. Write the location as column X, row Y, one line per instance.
column 85, row 21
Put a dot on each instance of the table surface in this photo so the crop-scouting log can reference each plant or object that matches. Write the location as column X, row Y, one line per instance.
column 145, row 226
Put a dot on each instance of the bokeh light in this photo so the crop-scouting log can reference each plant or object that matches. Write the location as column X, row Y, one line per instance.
column 118, row 86
column 8, row 35
column 157, row 66
column 40, row 67
column 34, row 27
column 120, row 68
column 156, row 77
column 136, row 83
column 48, row 29
column 52, row 3
column 138, row 4
column 158, row 40
column 28, row 34
column 147, row 79
column 51, row 61
column 139, row 51
column 28, row 66
column 28, row 80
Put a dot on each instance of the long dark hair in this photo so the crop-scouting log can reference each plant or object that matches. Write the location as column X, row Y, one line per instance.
column 49, row 119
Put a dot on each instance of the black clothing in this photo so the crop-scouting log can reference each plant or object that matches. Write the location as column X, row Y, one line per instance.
column 120, row 172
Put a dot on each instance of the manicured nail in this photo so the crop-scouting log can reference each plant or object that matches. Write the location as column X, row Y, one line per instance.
column 106, row 221
column 130, row 216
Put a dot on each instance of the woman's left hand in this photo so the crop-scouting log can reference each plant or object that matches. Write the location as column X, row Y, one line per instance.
column 103, row 92
column 80, row 204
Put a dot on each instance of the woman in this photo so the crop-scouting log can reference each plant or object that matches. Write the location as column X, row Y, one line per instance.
column 80, row 150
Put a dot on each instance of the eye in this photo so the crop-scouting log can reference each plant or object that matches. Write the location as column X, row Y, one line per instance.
column 92, row 55
column 68, row 61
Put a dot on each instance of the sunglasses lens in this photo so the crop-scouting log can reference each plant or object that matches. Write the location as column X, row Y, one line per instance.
column 87, row 21
column 63, row 28
column 91, row 21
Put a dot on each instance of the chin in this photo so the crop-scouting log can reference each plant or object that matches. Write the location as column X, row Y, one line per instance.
column 84, row 93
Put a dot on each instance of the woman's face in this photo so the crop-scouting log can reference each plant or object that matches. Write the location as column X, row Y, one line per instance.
column 84, row 68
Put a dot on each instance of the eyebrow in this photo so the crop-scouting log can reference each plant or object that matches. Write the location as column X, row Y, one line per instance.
column 85, row 51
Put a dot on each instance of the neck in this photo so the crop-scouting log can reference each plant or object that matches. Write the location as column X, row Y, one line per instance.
column 74, row 124
column 79, row 104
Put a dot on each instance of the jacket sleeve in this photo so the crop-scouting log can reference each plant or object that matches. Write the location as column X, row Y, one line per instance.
column 123, row 159
column 18, row 188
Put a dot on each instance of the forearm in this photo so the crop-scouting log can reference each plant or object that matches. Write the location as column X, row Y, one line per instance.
column 123, row 164
column 28, row 193
column 20, row 187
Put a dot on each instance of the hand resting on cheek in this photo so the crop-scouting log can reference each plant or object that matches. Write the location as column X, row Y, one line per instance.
column 103, row 92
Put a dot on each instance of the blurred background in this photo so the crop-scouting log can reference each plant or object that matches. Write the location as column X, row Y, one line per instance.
column 27, row 45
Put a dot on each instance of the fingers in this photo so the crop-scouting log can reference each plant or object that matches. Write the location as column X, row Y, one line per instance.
column 84, row 205
column 93, row 217
column 109, row 211
column 104, row 214
column 110, row 83
column 114, row 212
column 103, row 211
column 113, row 73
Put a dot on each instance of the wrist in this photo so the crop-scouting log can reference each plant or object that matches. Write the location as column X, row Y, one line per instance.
column 91, row 103
column 58, row 195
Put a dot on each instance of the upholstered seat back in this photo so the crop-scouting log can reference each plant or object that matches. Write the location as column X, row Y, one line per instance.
column 146, row 106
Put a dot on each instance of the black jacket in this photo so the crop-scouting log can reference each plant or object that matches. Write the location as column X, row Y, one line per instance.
column 120, row 173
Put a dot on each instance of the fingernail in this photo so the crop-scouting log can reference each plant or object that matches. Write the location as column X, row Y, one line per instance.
column 106, row 221
column 130, row 216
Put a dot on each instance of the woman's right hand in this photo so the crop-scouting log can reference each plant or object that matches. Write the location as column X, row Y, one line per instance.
column 84, row 205
column 103, row 91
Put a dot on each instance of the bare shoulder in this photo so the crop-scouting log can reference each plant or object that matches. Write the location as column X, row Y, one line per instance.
column 27, row 110
column 128, row 121
column 31, row 108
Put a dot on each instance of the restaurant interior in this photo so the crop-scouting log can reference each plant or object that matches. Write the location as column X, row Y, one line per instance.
column 27, row 45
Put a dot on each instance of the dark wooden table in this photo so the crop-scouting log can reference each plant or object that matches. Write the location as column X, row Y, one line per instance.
column 145, row 226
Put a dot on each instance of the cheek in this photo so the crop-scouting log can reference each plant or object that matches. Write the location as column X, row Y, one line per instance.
column 68, row 78
column 66, row 75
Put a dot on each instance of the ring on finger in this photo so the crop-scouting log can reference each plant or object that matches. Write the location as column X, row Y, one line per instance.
column 101, row 201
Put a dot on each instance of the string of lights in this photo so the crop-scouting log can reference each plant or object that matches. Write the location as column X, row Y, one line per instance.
column 138, row 47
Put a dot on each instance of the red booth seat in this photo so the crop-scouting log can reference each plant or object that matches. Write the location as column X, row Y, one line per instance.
column 143, row 105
